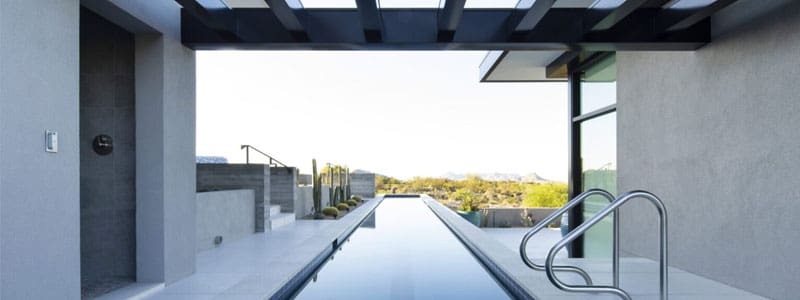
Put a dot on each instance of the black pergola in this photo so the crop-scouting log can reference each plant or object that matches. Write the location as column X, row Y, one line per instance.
column 632, row 25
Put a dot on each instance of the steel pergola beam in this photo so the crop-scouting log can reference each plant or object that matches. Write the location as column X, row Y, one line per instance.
column 699, row 15
column 448, row 19
column 625, row 9
column 370, row 20
column 286, row 15
column 203, row 16
column 526, row 20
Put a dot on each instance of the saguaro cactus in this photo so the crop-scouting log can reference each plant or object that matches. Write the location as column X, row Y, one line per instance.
column 317, row 192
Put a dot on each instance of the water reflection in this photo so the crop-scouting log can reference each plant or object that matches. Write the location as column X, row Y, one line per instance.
column 410, row 255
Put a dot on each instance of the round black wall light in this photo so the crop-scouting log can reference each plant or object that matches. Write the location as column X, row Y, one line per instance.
column 103, row 144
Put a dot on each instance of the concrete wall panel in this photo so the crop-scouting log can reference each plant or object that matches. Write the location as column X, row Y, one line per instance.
column 216, row 177
column 283, row 186
column 230, row 214
column 362, row 185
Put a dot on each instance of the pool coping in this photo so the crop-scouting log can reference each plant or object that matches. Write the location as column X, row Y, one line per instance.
column 465, row 232
column 297, row 281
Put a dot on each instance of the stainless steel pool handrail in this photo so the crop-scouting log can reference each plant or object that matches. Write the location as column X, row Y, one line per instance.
column 552, row 217
column 611, row 208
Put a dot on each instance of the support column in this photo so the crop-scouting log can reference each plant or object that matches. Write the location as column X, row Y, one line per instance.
column 165, row 159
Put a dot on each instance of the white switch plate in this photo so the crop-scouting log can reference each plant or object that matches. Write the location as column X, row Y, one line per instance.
column 51, row 141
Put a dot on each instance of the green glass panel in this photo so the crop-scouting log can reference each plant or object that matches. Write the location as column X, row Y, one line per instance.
column 599, row 155
column 599, row 85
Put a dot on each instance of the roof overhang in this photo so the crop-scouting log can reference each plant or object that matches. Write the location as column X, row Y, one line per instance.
column 518, row 66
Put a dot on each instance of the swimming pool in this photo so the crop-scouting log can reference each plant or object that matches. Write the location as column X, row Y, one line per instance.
column 403, row 251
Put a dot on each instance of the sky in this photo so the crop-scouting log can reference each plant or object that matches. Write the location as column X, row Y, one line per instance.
column 401, row 114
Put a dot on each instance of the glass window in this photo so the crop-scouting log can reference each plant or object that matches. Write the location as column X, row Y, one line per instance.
column 599, row 85
column 599, row 161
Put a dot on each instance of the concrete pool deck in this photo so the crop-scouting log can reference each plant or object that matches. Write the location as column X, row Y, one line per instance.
column 255, row 267
column 638, row 276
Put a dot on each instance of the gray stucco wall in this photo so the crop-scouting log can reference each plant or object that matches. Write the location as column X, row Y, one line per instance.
column 215, row 177
column 39, row 191
column 362, row 184
column 107, row 183
column 714, row 133
column 230, row 214
column 283, row 186
column 165, row 154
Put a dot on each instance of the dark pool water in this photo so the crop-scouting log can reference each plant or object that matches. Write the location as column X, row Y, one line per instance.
column 403, row 252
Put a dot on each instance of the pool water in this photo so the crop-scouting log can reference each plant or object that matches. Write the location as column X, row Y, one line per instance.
column 403, row 251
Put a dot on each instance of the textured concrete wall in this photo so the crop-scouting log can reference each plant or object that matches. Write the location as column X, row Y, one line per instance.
column 512, row 217
column 305, row 179
column 714, row 133
column 283, row 183
column 107, row 183
column 215, row 177
column 39, row 191
column 230, row 214
column 362, row 185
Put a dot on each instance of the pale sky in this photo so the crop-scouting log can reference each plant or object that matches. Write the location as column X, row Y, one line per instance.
column 401, row 114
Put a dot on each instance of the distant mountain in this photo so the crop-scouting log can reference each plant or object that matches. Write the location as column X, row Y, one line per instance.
column 532, row 177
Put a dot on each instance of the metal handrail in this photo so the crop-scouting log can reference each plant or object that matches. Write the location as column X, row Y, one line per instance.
column 271, row 160
column 662, row 213
column 523, row 252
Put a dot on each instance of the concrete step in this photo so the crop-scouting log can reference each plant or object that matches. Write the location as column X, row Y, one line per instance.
column 274, row 210
column 280, row 220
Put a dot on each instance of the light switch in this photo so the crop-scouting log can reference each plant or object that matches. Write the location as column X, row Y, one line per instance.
column 51, row 141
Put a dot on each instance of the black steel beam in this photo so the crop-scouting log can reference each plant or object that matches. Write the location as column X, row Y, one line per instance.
column 370, row 20
column 286, row 15
column 203, row 16
column 346, row 29
column 449, row 18
column 533, row 15
column 621, row 12
column 697, row 16
column 575, row 179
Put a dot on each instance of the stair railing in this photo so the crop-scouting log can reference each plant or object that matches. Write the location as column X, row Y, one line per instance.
column 612, row 208
column 523, row 252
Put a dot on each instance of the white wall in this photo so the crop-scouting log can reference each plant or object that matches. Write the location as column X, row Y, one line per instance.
column 39, row 191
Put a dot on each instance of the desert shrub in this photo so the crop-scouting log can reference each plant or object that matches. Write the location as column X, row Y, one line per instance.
column 468, row 200
column 330, row 211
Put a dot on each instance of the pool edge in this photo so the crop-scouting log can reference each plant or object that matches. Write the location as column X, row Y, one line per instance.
column 296, row 283
column 508, row 281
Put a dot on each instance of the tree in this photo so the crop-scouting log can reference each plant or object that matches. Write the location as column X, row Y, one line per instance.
column 546, row 195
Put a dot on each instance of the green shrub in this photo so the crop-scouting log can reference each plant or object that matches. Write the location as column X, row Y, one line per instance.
column 357, row 198
column 330, row 211
column 469, row 201
column 352, row 202
column 343, row 206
